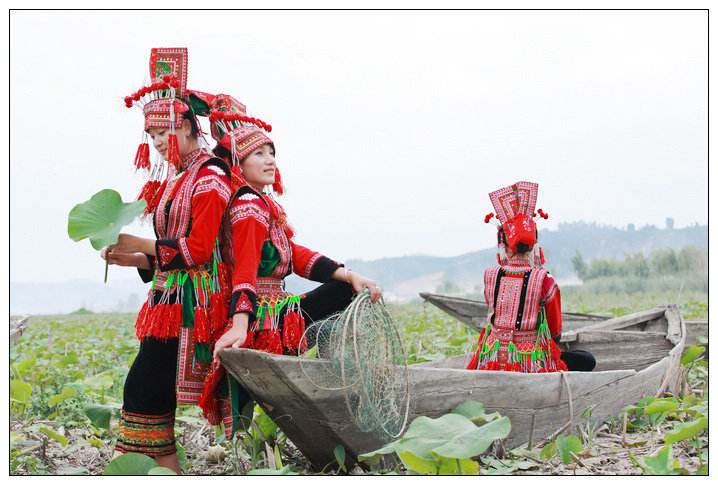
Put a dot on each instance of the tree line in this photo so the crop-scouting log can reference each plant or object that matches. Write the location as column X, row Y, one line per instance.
column 664, row 262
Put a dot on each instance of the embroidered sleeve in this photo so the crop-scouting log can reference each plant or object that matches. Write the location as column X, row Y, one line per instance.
column 552, row 303
column 209, row 200
column 249, row 216
column 312, row 265
column 147, row 274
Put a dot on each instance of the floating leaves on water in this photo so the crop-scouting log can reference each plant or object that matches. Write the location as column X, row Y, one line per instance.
column 102, row 217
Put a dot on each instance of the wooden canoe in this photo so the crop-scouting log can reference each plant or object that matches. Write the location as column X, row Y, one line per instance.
column 637, row 355
column 474, row 312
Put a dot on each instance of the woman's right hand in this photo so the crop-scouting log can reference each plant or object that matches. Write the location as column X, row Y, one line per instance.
column 234, row 337
column 137, row 260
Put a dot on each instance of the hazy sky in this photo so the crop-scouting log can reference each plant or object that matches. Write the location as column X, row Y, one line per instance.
column 390, row 127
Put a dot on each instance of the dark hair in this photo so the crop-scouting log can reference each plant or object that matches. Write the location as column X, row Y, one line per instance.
column 222, row 152
column 193, row 121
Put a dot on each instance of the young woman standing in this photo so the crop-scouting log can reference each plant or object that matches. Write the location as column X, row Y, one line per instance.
column 186, row 306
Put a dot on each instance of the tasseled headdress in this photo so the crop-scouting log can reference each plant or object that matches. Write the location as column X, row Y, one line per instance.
column 515, row 206
column 239, row 134
column 163, row 103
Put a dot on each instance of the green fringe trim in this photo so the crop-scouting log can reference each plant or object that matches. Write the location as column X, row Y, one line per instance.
column 202, row 353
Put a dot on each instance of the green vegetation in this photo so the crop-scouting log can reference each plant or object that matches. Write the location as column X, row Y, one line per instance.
column 67, row 374
column 662, row 270
column 584, row 299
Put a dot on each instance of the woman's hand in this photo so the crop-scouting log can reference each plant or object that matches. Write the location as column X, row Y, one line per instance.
column 359, row 282
column 234, row 337
column 136, row 260
column 127, row 243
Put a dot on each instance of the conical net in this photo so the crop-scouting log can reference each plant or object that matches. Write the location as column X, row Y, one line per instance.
column 363, row 357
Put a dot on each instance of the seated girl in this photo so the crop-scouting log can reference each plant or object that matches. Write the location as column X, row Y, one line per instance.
column 264, row 315
column 524, row 318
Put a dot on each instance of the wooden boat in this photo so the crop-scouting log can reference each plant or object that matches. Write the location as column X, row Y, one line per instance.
column 637, row 355
column 473, row 313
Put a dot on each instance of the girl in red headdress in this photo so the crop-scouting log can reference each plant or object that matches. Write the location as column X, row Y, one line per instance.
column 263, row 315
column 524, row 318
column 186, row 305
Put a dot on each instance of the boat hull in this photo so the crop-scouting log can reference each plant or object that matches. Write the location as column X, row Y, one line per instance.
column 538, row 405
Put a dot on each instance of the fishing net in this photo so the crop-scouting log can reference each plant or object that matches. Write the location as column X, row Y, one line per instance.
column 363, row 357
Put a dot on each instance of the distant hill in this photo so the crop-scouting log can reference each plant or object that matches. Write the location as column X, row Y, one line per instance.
column 402, row 278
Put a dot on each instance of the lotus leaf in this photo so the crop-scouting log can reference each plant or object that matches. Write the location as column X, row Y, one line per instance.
column 102, row 217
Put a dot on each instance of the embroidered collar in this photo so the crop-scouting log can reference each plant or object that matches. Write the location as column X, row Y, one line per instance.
column 190, row 158
column 517, row 265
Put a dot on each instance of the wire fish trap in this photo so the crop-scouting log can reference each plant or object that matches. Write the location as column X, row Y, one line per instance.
column 366, row 361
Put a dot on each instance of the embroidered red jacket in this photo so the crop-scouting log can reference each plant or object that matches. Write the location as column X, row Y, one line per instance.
column 262, row 247
column 516, row 295
column 186, row 222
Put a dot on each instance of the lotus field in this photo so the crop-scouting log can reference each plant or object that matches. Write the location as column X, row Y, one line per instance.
column 67, row 374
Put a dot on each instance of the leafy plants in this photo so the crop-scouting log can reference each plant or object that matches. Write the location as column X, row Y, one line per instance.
column 101, row 218
column 446, row 445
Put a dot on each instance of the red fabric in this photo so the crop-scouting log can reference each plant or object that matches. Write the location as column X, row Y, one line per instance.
column 208, row 207
column 301, row 257
column 552, row 302
column 551, row 296
column 520, row 229
column 475, row 359
column 248, row 235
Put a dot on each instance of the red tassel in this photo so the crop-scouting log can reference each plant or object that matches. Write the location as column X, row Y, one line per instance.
column 208, row 400
column 201, row 331
column 249, row 342
column 173, row 155
column 142, row 157
column 277, row 185
column 141, row 321
column 268, row 341
column 293, row 331
column 150, row 194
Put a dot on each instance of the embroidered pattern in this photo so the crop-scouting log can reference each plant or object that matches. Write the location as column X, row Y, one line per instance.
column 167, row 254
column 244, row 305
column 185, row 252
column 244, row 286
column 504, row 199
column 244, row 210
column 150, row 435
column 310, row 265
column 211, row 183
column 281, row 242
column 504, row 347
column 191, row 372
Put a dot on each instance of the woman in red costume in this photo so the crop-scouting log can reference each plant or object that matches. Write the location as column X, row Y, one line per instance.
column 264, row 316
column 186, row 306
column 524, row 319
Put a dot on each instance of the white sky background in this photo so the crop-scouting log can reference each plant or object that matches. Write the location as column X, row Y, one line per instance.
column 391, row 127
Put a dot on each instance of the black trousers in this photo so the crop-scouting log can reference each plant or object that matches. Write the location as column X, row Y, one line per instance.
column 579, row 360
column 150, row 383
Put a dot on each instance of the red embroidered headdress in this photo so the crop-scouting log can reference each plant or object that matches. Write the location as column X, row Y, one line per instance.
column 163, row 104
column 239, row 133
column 515, row 206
